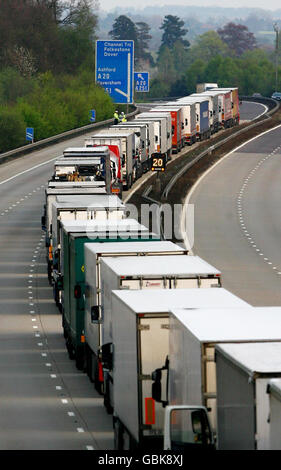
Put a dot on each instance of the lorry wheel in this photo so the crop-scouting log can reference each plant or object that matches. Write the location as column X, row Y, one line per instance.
column 118, row 435
column 70, row 349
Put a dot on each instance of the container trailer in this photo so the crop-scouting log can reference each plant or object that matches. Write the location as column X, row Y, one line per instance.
column 94, row 253
column 71, row 271
column 163, row 133
column 139, row 359
column 174, row 272
column 126, row 144
column 71, row 208
column 189, row 120
column 202, row 116
column 242, row 375
column 176, row 112
column 193, row 336
column 213, row 109
column 235, row 118
column 142, row 145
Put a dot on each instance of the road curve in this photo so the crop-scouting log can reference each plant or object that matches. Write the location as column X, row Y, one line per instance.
column 45, row 402
column 237, row 219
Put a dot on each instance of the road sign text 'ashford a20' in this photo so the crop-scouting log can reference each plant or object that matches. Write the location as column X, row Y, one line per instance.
column 114, row 69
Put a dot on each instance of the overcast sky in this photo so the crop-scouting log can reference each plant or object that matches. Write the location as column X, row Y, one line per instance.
column 268, row 5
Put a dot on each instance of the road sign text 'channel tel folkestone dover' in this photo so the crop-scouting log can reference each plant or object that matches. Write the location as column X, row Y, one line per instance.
column 115, row 69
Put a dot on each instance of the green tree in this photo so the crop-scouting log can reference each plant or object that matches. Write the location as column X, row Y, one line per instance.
column 12, row 129
column 173, row 31
column 144, row 37
column 123, row 28
column 207, row 46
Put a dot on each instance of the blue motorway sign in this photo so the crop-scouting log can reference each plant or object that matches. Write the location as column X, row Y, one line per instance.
column 115, row 69
column 92, row 115
column 141, row 80
column 29, row 134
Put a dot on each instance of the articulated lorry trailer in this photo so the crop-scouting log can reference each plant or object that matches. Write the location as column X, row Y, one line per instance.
column 188, row 120
column 139, row 359
column 94, row 253
column 274, row 392
column 213, row 109
column 203, row 130
column 172, row 272
column 162, row 132
column 193, row 336
column 125, row 141
column 243, row 411
column 97, row 207
column 55, row 189
column 142, row 155
column 235, row 118
column 176, row 112
column 71, row 269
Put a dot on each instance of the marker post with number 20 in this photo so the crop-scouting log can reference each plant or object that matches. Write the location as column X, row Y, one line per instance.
column 158, row 164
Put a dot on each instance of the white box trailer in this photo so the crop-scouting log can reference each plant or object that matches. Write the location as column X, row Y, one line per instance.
column 242, row 374
column 75, row 208
column 203, row 130
column 163, row 133
column 213, row 110
column 68, row 188
column 274, row 391
column 94, row 253
column 168, row 272
column 126, row 142
column 193, row 336
column 142, row 140
column 218, row 106
column 140, row 348
column 151, row 127
column 189, row 120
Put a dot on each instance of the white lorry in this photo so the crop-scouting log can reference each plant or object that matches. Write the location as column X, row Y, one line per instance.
column 77, row 207
column 62, row 188
column 172, row 272
column 163, row 133
column 140, row 347
column 189, row 120
column 142, row 144
column 274, row 391
column 243, row 408
column 125, row 141
column 213, row 109
column 94, row 253
column 152, row 127
column 193, row 336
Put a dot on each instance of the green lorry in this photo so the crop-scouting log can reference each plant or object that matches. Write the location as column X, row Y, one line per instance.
column 74, row 235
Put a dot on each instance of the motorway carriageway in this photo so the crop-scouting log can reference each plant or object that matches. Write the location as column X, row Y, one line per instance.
column 46, row 403
column 237, row 206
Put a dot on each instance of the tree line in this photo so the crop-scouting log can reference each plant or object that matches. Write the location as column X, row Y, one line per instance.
column 47, row 64
column 228, row 56
column 47, row 68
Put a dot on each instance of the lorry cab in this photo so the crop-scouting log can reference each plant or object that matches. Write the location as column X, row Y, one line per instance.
column 187, row 428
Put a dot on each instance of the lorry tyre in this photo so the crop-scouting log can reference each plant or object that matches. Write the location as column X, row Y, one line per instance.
column 118, row 434
column 70, row 349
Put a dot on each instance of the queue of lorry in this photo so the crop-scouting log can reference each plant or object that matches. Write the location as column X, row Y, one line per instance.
column 151, row 325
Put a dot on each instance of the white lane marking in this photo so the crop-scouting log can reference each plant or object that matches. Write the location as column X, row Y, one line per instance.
column 80, row 430
column 196, row 184
column 28, row 170
column 70, row 413
column 90, row 448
